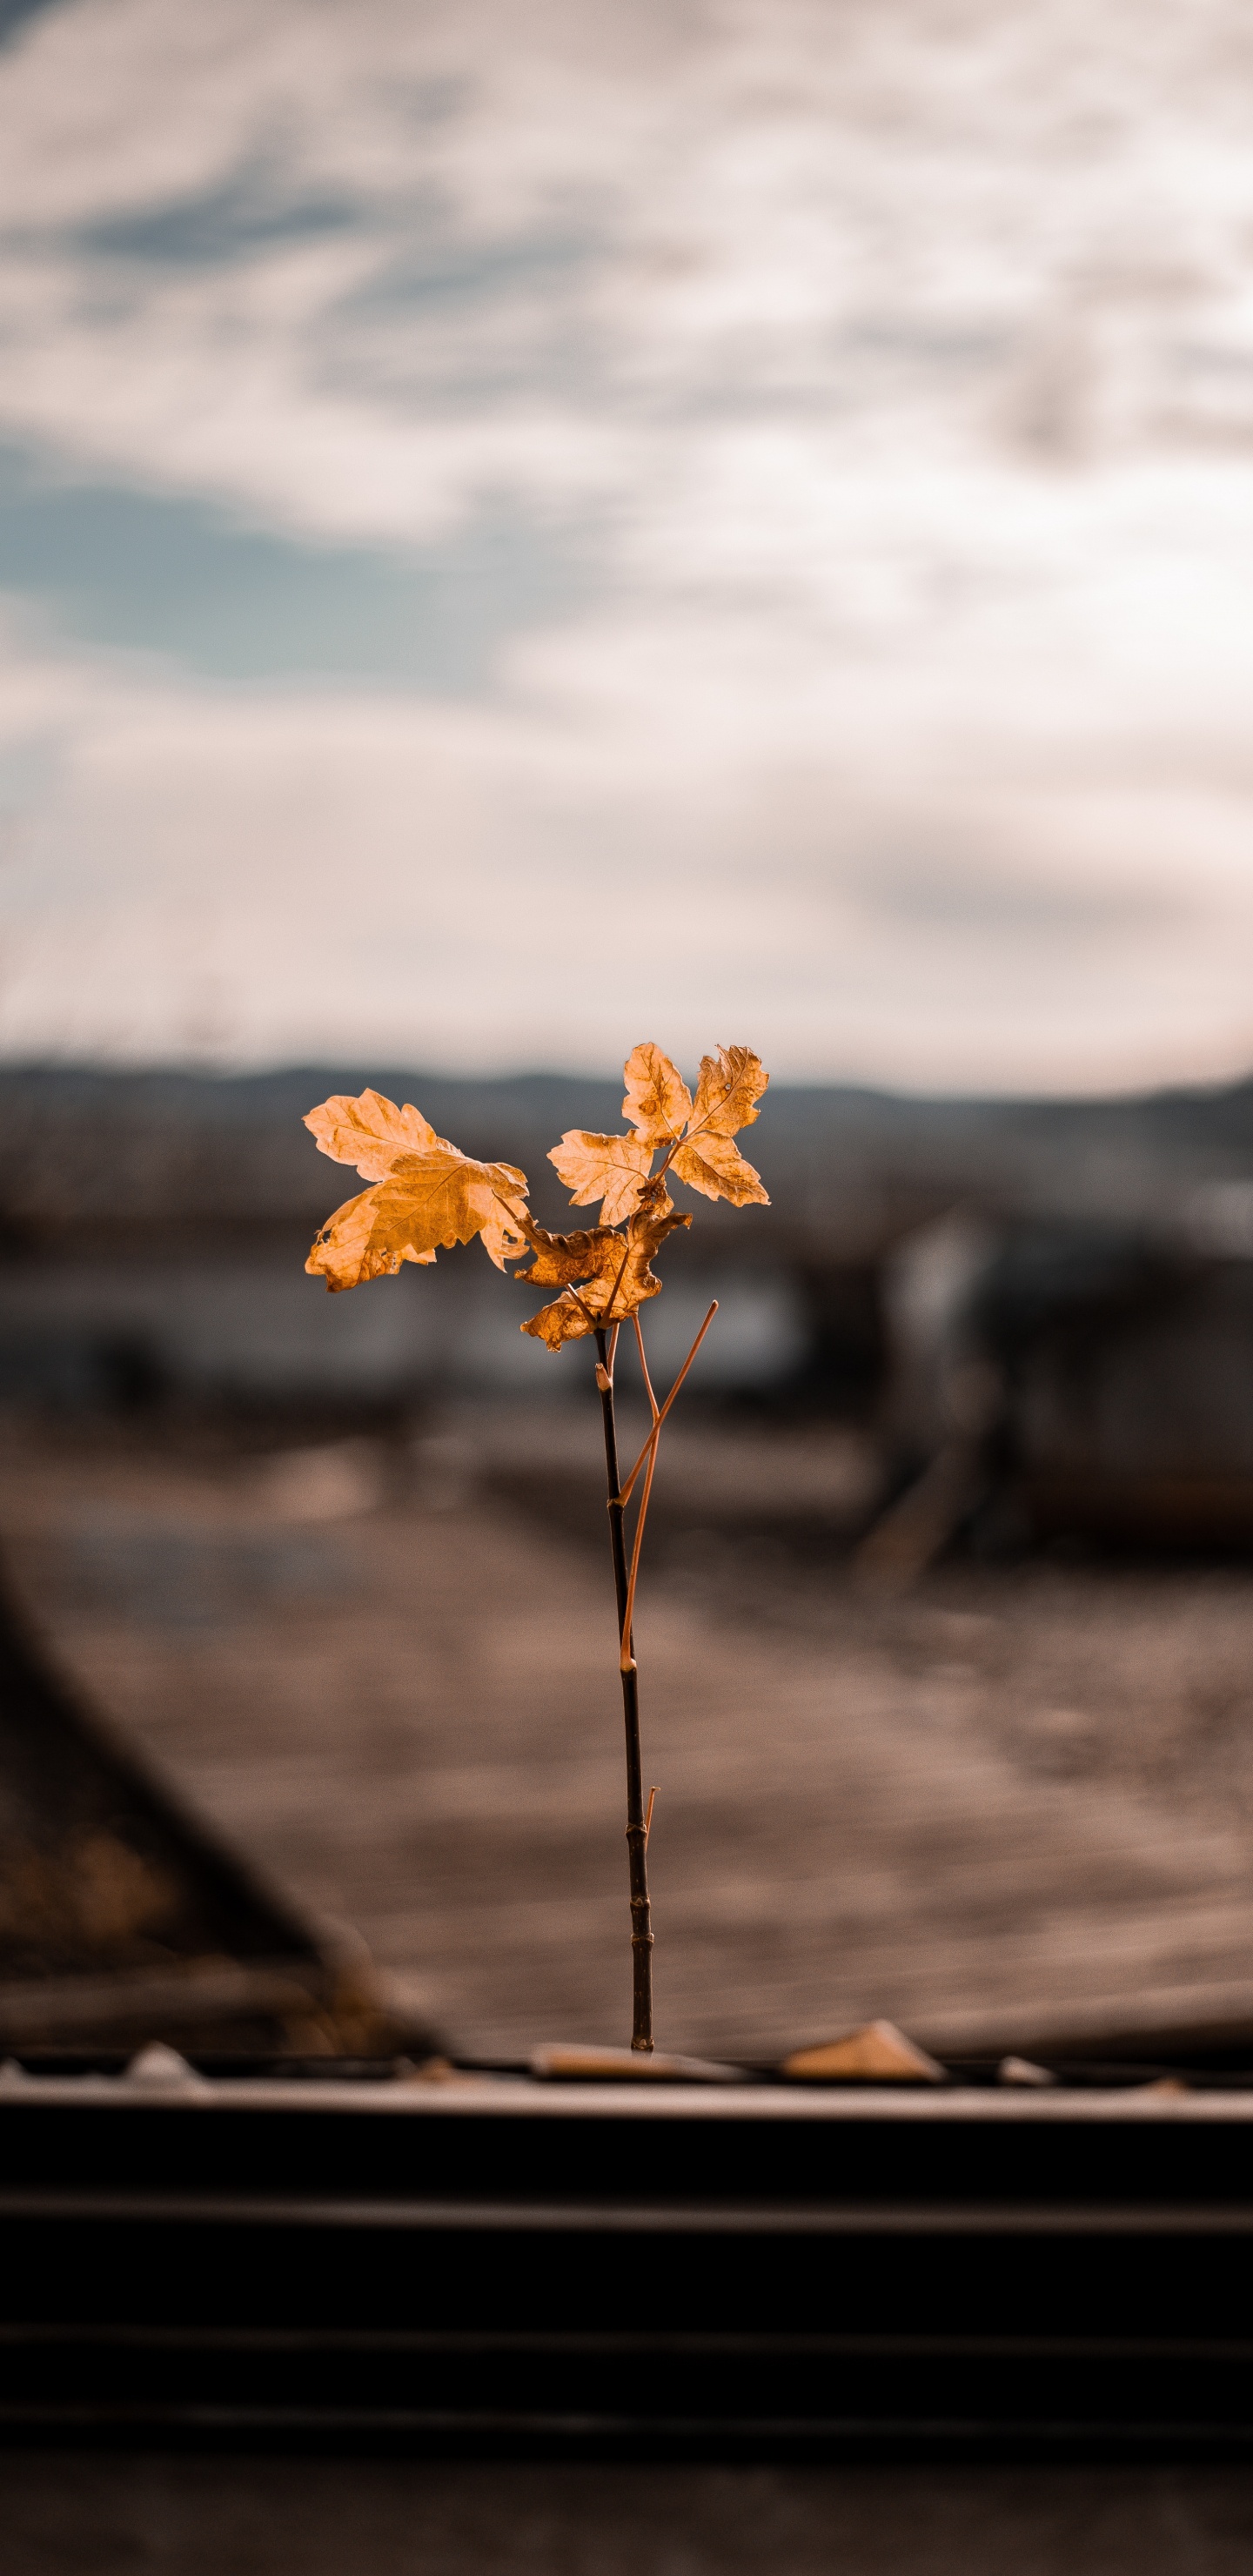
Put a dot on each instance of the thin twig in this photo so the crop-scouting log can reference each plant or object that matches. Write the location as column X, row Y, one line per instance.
column 648, row 1820
column 651, row 1442
column 653, row 1406
column 626, row 1658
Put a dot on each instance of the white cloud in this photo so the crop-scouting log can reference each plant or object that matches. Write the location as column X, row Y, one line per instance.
column 503, row 885
column 897, row 365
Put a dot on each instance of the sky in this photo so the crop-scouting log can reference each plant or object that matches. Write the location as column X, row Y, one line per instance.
column 537, row 524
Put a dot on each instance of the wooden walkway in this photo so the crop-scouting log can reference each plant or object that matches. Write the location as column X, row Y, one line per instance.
column 395, row 1688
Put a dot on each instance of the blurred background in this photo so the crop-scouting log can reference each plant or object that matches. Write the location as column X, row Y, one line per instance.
column 524, row 528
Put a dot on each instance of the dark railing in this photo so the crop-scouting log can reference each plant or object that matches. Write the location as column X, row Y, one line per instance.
column 487, row 2262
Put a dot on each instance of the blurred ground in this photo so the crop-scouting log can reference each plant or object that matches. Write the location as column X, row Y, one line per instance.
column 170, row 2517
column 386, row 1668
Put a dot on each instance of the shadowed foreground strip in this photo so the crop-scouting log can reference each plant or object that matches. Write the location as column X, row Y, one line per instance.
column 186, row 2517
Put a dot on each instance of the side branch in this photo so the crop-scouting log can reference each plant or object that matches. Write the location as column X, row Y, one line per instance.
column 651, row 1442
column 649, row 1452
column 606, row 1346
column 627, row 1657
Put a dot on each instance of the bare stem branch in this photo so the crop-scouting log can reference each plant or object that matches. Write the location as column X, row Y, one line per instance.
column 626, row 1655
column 651, row 1442
column 653, row 1406
column 627, row 1659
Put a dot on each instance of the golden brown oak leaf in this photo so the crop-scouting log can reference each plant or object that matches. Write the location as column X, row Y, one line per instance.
column 658, row 1102
column 609, row 1168
column 426, row 1192
column 604, row 1276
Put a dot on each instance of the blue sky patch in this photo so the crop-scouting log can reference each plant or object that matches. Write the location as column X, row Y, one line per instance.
column 242, row 214
column 141, row 571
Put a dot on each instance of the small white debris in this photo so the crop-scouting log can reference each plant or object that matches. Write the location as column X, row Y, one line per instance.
column 157, row 2064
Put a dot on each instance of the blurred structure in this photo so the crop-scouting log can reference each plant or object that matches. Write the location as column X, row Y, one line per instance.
column 1040, row 1311
column 1054, row 1376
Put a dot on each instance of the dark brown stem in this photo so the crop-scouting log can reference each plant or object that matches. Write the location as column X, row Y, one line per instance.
column 636, row 1830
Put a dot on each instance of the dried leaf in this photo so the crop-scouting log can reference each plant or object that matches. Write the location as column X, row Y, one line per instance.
column 878, row 2053
column 604, row 1276
column 426, row 1192
column 658, row 1102
column 369, row 1131
column 559, row 1259
column 714, row 1165
column 660, row 1105
column 366, row 1238
column 609, row 1168
column 731, row 1083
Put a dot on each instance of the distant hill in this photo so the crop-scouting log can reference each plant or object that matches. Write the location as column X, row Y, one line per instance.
column 102, row 1157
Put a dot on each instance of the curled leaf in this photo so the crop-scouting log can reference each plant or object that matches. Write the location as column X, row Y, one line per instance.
column 604, row 1276
column 609, row 1168
column 658, row 1102
column 560, row 1258
column 426, row 1192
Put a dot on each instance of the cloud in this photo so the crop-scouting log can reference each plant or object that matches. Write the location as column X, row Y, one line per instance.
column 524, row 517
column 493, row 884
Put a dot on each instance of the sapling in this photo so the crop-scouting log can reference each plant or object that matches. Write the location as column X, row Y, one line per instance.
column 424, row 1193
